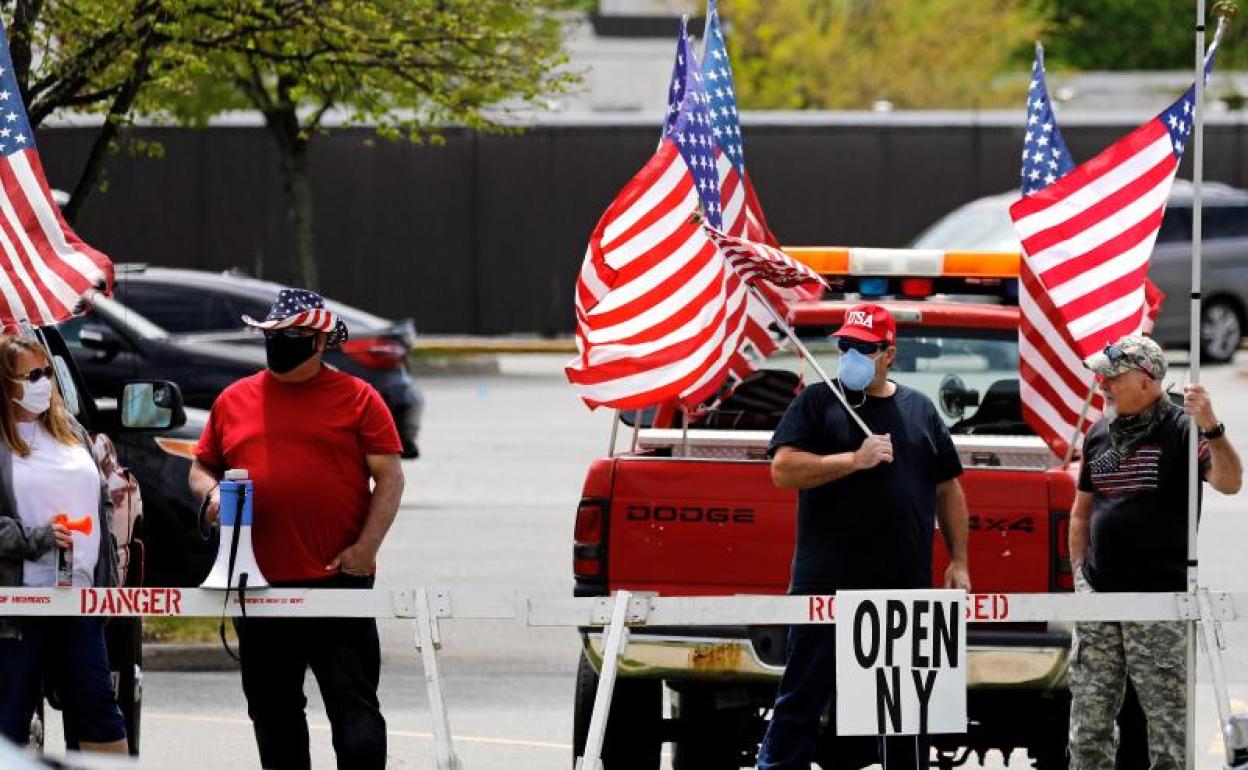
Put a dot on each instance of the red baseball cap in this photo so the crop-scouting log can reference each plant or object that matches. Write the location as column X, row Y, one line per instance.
column 868, row 323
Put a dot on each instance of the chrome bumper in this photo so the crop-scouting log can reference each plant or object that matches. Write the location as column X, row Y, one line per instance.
column 989, row 666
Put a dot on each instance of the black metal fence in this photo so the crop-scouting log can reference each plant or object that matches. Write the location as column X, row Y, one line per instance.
column 485, row 234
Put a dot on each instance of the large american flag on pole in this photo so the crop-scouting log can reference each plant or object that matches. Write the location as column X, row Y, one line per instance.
column 659, row 312
column 1087, row 236
column 47, row 270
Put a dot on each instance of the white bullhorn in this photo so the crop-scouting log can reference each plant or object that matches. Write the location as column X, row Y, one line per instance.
column 236, row 561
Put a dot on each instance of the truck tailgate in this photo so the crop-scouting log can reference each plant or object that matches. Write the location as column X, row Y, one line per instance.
column 697, row 527
column 690, row 527
column 1009, row 539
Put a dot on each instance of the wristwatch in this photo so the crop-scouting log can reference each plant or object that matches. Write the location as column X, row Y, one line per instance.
column 1218, row 432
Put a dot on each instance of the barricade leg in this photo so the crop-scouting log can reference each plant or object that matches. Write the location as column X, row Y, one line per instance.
column 427, row 641
column 617, row 638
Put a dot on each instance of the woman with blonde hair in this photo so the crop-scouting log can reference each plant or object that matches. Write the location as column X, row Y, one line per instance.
column 46, row 469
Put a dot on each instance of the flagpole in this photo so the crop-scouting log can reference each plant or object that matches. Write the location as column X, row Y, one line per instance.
column 1083, row 415
column 1193, row 486
column 788, row 332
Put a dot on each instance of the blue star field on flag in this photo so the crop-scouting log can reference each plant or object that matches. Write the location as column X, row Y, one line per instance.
column 720, row 89
column 1045, row 157
column 1179, row 117
column 691, row 131
column 676, row 91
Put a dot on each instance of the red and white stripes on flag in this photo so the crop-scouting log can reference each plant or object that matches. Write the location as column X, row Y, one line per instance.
column 47, row 269
column 659, row 314
column 757, row 262
column 1053, row 382
column 1088, row 236
column 743, row 217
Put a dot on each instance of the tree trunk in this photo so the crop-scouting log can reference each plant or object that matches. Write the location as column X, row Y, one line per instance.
column 93, row 169
column 297, row 185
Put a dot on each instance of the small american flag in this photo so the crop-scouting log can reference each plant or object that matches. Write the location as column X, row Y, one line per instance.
column 47, row 270
column 1088, row 236
column 659, row 313
column 755, row 262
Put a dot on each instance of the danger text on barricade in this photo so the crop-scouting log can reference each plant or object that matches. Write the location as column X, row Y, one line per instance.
column 900, row 662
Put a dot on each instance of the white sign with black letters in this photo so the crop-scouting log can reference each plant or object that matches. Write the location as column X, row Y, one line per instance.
column 900, row 662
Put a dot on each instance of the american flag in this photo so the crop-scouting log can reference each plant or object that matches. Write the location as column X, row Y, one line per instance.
column 659, row 313
column 1053, row 382
column 755, row 262
column 1087, row 236
column 48, row 270
column 743, row 215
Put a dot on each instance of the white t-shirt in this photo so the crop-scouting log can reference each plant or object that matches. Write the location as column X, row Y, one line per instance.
column 57, row 478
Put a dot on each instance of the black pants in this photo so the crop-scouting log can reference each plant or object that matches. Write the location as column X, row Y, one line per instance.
column 345, row 657
column 806, row 690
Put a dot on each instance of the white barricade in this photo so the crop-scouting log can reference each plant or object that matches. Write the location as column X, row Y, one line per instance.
column 616, row 614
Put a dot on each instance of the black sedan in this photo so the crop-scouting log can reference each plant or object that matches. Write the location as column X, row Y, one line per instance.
column 185, row 325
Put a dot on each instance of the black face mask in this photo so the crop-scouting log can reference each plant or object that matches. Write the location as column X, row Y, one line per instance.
column 285, row 353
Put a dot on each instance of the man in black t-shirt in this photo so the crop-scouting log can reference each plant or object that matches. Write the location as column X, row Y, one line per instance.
column 867, row 507
column 1128, row 532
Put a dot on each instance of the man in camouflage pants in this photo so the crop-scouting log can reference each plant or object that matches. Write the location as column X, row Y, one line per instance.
column 1128, row 532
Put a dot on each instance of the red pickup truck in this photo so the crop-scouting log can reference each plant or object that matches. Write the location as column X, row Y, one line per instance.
column 693, row 512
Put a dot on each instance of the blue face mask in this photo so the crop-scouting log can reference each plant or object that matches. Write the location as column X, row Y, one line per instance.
column 856, row 370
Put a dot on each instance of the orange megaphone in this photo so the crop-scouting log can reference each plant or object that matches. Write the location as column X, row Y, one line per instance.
column 81, row 524
column 65, row 556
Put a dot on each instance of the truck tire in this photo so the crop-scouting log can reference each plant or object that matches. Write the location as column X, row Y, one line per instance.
column 706, row 736
column 1221, row 330
column 633, row 740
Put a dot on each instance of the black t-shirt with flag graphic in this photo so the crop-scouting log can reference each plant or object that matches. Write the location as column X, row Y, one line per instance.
column 872, row 528
column 1139, row 507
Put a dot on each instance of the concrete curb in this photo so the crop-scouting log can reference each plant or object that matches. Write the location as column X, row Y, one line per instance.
column 452, row 346
column 205, row 656
column 453, row 366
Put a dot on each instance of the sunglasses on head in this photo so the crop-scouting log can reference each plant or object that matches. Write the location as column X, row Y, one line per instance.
column 1115, row 355
column 865, row 348
column 34, row 375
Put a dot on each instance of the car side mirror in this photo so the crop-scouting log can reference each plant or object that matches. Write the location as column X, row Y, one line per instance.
column 104, row 341
column 151, row 405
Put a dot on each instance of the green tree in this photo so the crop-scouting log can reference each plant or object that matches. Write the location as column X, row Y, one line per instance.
column 91, row 56
column 407, row 67
column 849, row 54
column 1131, row 35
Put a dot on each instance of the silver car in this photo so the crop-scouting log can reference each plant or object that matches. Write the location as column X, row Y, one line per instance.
column 984, row 224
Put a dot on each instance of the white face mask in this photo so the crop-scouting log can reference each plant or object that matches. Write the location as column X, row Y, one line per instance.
column 36, row 396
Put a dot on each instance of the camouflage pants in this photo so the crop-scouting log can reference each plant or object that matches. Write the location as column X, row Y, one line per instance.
column 1103, row 655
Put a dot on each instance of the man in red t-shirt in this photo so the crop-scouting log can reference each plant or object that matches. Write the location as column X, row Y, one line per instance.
column 311, row 439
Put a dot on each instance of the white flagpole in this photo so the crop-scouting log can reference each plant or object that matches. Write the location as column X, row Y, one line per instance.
column 1193, row 488
column 783, row 323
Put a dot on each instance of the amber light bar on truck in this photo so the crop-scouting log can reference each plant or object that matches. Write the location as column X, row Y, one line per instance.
column 915, row 263
column 913, row 273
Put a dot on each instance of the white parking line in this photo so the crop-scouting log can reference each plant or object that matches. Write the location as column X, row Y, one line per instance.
column 483, row 739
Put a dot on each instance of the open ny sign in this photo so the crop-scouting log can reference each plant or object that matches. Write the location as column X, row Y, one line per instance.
column 900, row 662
